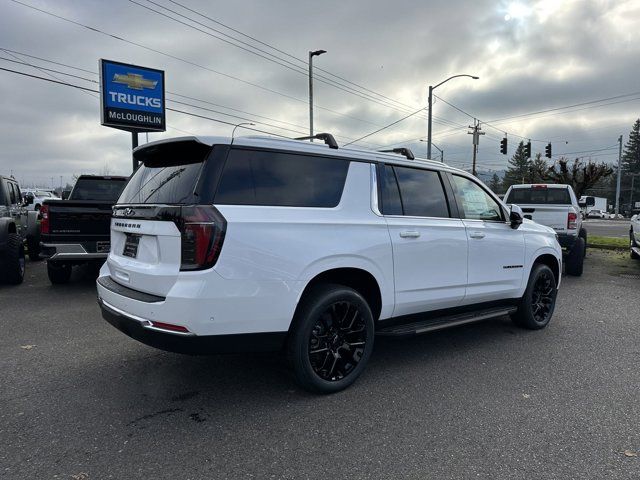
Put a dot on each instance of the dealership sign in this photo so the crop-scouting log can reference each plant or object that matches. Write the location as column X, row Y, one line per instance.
column 131, row 97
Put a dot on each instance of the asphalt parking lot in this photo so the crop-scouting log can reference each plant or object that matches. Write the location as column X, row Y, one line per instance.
column 607, row 228
column 82, row 401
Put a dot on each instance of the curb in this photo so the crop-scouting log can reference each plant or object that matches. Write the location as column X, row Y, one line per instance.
column 606, row 247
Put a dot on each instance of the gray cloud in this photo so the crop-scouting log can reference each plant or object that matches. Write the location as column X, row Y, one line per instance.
column 553, row 54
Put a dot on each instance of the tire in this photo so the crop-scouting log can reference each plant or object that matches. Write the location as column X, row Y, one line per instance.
column 539, row 300
column 342, row 350
column 13, row 263
column 632, row 243
column 583, row 235
column 58, row 273
column 34, row 249
column 575, row 259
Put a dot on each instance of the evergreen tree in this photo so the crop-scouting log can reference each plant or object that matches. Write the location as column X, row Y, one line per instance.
column 494, row 184
column 631, row 169
column 518, row 170
column 538, row 168
column 631, row 152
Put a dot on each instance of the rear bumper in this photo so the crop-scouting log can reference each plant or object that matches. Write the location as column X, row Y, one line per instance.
column 189, row 343
column 69, row 252
column 566, row 240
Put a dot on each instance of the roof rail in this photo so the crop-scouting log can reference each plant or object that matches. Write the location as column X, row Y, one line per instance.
column 402, row 151
column 326, row 137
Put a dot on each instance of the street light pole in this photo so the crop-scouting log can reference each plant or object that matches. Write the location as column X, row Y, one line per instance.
column 431, row 89
column 437, row 148
column 311, row 55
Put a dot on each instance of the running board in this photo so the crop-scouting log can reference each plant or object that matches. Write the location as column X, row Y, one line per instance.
column 439, row 323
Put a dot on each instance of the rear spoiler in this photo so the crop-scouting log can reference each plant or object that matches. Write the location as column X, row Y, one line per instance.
column 173, row 152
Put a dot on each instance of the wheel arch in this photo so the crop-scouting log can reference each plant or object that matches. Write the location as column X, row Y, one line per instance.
column 359, row 279
column 552, row 262
column 7, row 226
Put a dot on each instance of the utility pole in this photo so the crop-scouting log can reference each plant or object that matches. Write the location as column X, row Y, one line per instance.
column 617, row 211
column 633, row 177
column 476, row 132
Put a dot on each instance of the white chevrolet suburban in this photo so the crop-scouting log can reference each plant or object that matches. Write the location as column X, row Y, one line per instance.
column 259, row 244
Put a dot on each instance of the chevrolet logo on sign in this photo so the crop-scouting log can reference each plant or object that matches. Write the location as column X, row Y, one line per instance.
column 134, row 81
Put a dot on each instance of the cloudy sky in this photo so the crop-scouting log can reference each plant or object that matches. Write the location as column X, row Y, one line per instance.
column 534, row 60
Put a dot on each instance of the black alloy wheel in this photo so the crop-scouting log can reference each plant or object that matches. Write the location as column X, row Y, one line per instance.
column 543, row 296
column 539, row 300
column 331, row 338
column 337, row 341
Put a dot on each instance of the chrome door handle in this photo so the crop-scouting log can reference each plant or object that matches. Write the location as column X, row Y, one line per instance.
column 477, row 235
column 409, row 234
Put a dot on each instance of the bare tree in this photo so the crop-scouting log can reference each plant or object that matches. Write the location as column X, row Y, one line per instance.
column 106, row 169
column 580, row 175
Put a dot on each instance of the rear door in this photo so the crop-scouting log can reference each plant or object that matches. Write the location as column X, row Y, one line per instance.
column 429, row 245
column 496, row 251
column 146, row 243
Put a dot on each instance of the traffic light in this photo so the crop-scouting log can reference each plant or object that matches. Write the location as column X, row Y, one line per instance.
column 527, row 150
column 547, row 150
column 503, row 146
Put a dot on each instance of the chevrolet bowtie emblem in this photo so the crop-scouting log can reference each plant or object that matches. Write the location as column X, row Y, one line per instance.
column 134, row 81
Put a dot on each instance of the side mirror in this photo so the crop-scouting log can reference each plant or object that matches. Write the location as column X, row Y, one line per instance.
column 516, row 216
column 65, row 194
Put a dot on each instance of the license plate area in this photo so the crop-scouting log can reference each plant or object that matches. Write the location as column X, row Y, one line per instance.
column 131, row 245
column 103, row 247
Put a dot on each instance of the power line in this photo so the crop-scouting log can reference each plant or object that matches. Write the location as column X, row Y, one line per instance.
column 565, row 107
column 302, row 131
column 275, row 59
column 286, row 53
column 385, row 127
column 67, row 84
column 301, row 127
column 189, row 62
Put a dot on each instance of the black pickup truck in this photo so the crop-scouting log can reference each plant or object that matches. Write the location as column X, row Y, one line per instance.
column 77, row 230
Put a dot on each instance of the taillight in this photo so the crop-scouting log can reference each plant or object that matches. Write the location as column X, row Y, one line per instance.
column 44, row 218
column 202, row 229
column 572, row 221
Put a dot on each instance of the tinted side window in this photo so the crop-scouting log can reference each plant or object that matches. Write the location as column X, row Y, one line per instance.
column 476, row 204
column 391, row 204
column 421, row 192
column 12, row 193
column 281, row 179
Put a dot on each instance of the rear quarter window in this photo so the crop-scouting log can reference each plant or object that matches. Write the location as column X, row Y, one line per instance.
column 252, row 177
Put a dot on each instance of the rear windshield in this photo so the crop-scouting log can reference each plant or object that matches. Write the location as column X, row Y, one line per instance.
column 98, row 189
column 169, row 174
column 539, row 196
column 162, row 184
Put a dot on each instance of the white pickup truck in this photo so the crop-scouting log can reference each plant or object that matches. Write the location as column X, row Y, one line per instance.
column 556, row 206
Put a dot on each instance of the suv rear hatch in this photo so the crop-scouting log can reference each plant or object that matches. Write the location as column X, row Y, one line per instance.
column 545, row 205
column 164, row 221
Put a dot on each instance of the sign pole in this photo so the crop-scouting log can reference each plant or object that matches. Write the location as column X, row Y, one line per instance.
column 134, row 144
